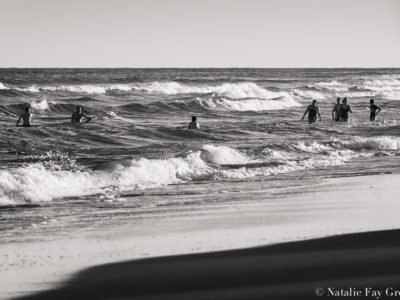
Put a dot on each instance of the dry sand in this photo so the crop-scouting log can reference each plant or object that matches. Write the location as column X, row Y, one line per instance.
column 292, row 270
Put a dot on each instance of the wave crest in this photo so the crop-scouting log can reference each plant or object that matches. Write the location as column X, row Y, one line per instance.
column 248, row 104
column 231, row 90
column 333, row 86
column 223, row 155
column 376, row 143
column 41, row 105
column 50, row 177
column 3, row 87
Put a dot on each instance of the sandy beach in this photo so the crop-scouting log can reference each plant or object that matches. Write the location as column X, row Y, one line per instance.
column 363, row 264
column 364, row 203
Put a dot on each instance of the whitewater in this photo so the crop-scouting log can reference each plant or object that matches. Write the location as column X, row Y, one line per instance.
column 138, row 149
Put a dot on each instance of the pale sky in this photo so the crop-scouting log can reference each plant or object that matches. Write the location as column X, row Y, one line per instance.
column 200, row 33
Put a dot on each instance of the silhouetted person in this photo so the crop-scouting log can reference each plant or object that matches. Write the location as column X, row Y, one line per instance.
column 312, row 111
column 26, row 117
column 78, row 115
column 194, row 124
column 335, row 111
column 374, row 110
column 344, row 111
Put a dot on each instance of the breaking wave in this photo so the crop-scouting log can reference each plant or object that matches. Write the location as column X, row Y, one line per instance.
column 85, row 88
column 3, row 87
column 248, row 104
column 333, row 86
column 310, row 94
column 230, row 90
column 387, row 87
column 37, row 182
column 41, row 104
column 377, row 143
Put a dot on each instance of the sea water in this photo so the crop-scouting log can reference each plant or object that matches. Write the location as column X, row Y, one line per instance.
column 138, row 160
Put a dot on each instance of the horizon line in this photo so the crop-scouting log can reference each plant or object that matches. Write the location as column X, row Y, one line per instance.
column 199, row 67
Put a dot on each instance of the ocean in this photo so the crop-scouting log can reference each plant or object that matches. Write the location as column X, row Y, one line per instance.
column 137, row 160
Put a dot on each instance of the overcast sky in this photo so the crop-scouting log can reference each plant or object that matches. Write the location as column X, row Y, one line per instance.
column 200, row 33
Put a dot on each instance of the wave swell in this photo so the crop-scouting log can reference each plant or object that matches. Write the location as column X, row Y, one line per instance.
column 37, row 182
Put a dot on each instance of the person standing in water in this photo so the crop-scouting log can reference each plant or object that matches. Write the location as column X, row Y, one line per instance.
column 312, row 111
column 78, row 115
column 194, row 124
column 26, row 117
column 374, row 110
column 335, row 111
column 344, row 111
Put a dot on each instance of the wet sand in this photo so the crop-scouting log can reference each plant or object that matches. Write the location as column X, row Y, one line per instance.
column 156, row 264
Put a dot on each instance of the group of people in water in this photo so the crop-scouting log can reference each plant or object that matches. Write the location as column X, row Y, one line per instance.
column 340, row 113
column 77, row 117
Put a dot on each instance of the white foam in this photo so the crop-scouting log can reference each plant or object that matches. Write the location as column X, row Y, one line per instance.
column 222, row 155
column 334, row 158
column 385, row 86
column 357, row 144
column 231, row 90
column 388, row 88
column 333, row 86
column 40, row 105
column 30, row 89
column 375, row 143
column 36, row 183
column 357, row 94
column 310, row 94
column 3, row 87
column 42, row 182
column 382, row 84
column 313, row 147
column 249, row 104
column 83, row 88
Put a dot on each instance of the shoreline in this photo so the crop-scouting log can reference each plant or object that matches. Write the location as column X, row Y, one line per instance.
column 363, row 203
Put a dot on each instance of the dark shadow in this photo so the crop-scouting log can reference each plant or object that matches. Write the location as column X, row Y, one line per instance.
column 283, row 271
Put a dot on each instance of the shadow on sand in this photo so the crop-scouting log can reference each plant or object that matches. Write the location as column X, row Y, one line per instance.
column 291, row 270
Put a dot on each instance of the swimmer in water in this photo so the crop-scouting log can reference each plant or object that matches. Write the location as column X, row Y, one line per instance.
column 374, row 109
column 335, row 111
column 78, row 115
column 312, row 111
column 344, row 111
column 194, row 124
column 26, row 117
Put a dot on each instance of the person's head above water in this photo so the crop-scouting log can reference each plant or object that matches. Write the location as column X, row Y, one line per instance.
column 371, row 101
column 194, row 119
column 314, row 102
column 338, row 100
column 345, row 100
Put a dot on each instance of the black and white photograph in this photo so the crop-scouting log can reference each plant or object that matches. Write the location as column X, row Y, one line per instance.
column 199, row 149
